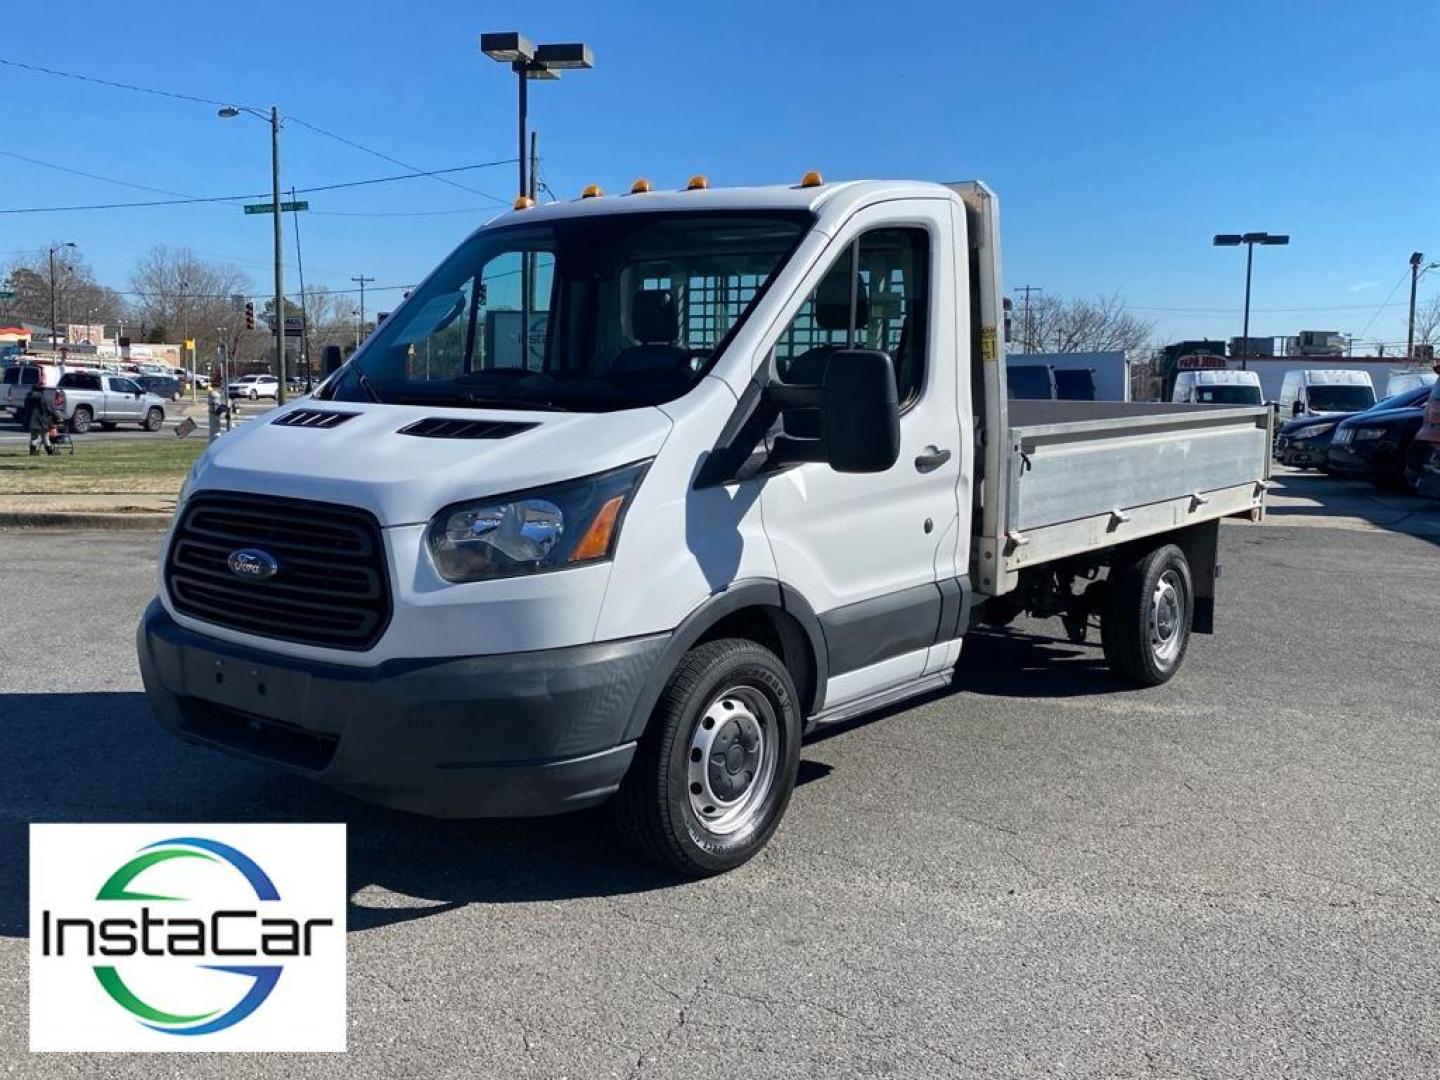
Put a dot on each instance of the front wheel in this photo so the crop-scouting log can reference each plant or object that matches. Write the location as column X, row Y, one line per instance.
column 714, row 772
column 254, row 396
column 1415, row 457
column 1145, row 621
column 154, row 418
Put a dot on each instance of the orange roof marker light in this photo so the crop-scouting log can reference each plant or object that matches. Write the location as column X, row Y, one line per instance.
column 812, row 179
column 698, row 182
column 592, row 191
column 640, row 187
column 524, row 202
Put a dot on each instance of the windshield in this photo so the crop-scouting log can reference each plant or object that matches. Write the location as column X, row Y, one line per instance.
column 588, row 314
column 1234, row 394
column 1341, row 398
column 1031, row 382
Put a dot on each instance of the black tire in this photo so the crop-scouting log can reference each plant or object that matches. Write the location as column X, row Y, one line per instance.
column 80, row 420
column 732, row 679
column 154, row 418
column 254, row 396
column 1145, row 597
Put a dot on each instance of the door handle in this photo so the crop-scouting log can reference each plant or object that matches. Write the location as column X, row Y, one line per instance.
column 931, row 458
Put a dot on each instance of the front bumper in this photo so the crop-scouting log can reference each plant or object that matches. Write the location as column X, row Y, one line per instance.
column 1300, row 453
column 1366, row 459
column 508, row 735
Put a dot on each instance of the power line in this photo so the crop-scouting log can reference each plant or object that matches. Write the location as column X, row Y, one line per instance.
column 393, row 160
column 92, row 176
column 1403, row 275
column 113, row 84
column 191, row 200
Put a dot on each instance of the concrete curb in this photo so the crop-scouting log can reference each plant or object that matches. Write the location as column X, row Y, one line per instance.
column 82, row 519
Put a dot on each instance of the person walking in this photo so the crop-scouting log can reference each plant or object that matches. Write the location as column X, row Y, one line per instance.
column 42, row 418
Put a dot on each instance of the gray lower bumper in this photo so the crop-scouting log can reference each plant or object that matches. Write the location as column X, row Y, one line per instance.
column 487, row 736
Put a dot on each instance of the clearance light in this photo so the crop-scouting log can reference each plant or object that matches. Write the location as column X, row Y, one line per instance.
column 812, row 179
column 524, row 202
column 698, row 182
column 595, row 543
column 592, row 192
column 640, row 187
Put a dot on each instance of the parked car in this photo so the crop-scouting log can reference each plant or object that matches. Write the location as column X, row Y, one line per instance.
column 1321, row 391
column 165, row 386
column 16, row 381
column 1217, row 388
column 1422, row 465
column 1400, row 381
column 83, row 399
column 1305, row 443
column 1373, row 445
column 254, row 387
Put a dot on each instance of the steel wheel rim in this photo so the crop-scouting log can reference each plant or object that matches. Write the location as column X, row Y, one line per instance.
column 1167, row 612
column 731, row 760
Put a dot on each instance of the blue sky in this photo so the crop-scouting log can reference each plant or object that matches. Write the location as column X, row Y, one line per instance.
column 1120, row 136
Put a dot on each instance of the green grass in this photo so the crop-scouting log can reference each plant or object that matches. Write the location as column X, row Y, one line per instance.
column 152, row 466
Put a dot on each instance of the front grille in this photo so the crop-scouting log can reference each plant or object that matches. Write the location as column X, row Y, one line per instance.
column 257, row 735
column 331, row 588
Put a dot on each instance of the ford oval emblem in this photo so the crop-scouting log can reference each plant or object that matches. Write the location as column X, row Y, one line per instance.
column 253, row 564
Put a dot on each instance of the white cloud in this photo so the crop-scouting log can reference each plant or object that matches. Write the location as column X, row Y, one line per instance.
column 1361, row 286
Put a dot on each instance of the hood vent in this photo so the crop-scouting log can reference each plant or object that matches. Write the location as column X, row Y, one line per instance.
column 443, row 427
column 313, row 418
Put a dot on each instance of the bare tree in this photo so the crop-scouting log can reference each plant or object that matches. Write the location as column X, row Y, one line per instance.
column 79, row 298
column 1427, row 322
column 1102, row 324
column 179, row 293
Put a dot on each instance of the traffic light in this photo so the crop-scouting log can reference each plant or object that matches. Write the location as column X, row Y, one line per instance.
column 249, row 314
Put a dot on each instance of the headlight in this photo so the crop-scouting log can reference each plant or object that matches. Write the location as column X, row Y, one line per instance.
column 1363, row 433
column 549, row 528
column 1313, row 432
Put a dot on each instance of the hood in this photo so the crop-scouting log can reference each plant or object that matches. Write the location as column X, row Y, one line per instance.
column 1380, row 418
column 404, row 479
column 1296, row 429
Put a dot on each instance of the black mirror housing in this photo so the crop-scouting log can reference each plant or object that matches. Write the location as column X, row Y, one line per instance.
column 860, row 412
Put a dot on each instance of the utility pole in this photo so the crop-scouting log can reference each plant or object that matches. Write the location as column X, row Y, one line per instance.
column 304, row 311
column 363, row 280
column 279, row 264
column 1416, row 270
column 1025, row 315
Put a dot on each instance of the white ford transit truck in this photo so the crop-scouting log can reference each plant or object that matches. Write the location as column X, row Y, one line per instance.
column 743, row 465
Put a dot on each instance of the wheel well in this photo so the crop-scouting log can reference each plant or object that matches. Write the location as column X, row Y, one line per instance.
column 781, row 633
column 84, row 409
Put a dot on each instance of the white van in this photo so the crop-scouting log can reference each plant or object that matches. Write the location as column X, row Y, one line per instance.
column 758, row 473
column 1400, row 382
column 1217, row 388
column 1319, row 392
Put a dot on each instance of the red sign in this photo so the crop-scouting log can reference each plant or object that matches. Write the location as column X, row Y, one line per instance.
column 1200, row 361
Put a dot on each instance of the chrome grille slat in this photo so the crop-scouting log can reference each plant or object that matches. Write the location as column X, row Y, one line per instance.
column 333, row 586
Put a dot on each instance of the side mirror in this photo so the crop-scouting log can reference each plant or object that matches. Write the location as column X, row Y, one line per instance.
column 1297, row 408
column 859, row 415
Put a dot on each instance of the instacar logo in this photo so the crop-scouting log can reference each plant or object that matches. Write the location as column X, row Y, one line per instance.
column 188, row 943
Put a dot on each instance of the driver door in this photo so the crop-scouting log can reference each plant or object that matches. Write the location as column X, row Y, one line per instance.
column 875, row 555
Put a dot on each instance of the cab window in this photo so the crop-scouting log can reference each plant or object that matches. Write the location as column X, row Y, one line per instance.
column 875, row 296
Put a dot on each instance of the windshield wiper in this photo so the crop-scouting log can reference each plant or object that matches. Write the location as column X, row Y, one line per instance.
column 479, row 401
column 367, row 386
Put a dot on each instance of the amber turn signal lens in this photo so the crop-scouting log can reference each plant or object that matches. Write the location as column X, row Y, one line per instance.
column 595, row 544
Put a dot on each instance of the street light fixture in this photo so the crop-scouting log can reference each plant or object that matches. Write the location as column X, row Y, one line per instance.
column 229, row 112
column 55, row 330
column 530, row 61
column 1249, row 239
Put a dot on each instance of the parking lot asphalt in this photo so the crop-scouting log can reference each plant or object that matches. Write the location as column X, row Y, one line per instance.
column 1037, row 873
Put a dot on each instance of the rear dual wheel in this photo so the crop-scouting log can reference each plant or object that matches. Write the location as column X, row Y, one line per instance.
column 714, row 773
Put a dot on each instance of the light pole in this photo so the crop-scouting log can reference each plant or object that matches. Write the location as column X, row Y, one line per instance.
column 530, row 61
column 1416, row 272
column 1249, row 239
column 55, row 330
column 227, row 113
column 363, row 280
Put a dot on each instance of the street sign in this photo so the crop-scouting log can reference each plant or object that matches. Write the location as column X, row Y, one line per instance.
column 294, row 326
column 269, row 207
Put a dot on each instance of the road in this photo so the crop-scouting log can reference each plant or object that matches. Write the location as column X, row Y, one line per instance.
column 1034, row 874
column 12, row 435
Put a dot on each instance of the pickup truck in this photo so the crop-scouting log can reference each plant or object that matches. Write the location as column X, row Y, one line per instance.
column 758, row 474
column 86, row 398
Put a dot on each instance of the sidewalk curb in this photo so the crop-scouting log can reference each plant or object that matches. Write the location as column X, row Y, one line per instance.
column 81, row 519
